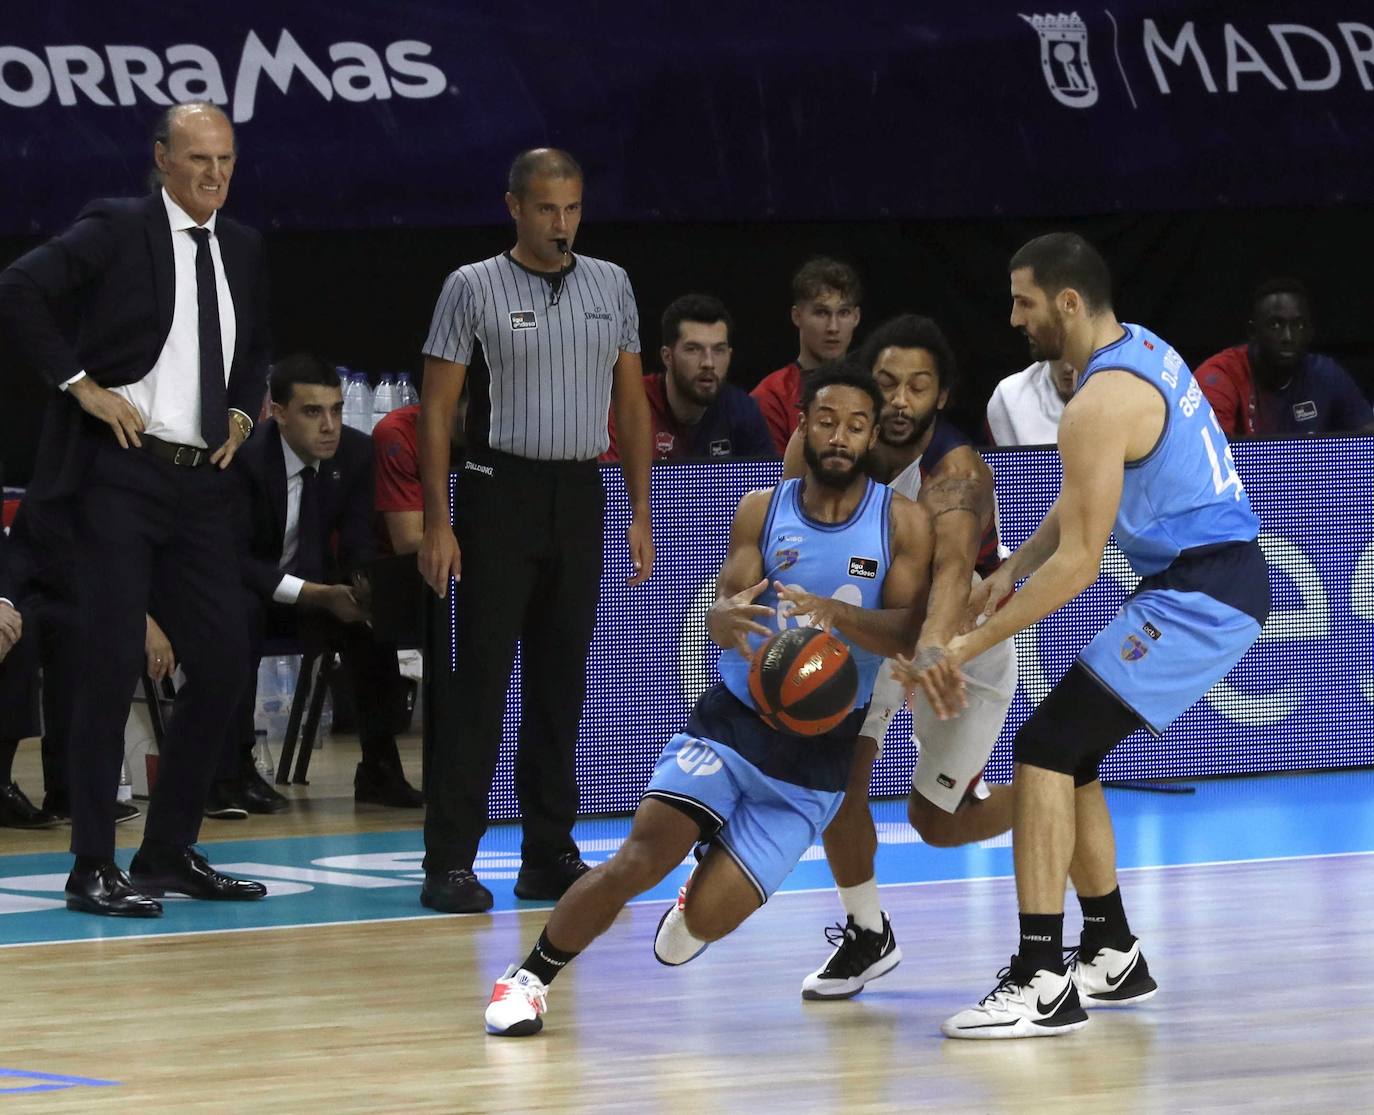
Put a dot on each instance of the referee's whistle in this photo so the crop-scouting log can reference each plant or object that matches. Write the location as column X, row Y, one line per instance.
column 562, row 245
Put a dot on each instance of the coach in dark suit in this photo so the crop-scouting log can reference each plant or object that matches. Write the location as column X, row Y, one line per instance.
column 148, row 318
column 307, row 527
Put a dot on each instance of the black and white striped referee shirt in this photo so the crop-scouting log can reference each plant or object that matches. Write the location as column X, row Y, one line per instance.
column 550, row 348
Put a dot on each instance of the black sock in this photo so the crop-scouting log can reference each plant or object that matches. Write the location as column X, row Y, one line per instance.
column 89, row 863
column 1104, row 922
column 1042, row 942
column 545, row 961
column 7, row 749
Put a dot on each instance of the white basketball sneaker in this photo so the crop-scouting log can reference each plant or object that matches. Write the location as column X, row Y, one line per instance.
column 1024, row 1004
column 1111, row 977
column 517, row 1002
column 673, row 944
column 860, row 955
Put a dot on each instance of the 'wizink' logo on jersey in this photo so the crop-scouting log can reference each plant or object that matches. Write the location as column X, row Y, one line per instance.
column 523, row 319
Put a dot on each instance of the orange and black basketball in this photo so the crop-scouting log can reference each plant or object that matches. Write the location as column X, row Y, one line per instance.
column 803, row 681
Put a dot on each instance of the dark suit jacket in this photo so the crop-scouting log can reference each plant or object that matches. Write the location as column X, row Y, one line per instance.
column 345, row 495
column 100, row 297
column 7, row 589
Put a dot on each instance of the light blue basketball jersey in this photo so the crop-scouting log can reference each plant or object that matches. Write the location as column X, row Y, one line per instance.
column 1186, row 493
column 848, row 561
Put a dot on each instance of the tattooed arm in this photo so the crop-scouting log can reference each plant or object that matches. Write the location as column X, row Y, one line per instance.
column 959, row 497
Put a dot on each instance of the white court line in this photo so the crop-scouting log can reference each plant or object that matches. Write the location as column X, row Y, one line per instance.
column 635, row 902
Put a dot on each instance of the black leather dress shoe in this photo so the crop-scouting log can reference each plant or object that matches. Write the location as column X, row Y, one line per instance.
column 105, row 889
column 257, row 794
column 225, row 802
column 185, row 871
column 550, row 880
column 17, row 812
column 374, row 784
column 455, row 892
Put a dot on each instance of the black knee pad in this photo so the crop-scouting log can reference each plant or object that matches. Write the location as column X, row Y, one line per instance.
column 1074, row 727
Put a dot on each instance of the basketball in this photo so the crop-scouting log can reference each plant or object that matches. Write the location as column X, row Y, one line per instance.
column 803, row 681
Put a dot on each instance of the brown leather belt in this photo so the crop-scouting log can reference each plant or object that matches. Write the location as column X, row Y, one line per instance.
column 186, row 456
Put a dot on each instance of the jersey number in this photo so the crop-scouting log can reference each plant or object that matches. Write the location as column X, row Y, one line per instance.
column 1229, row 479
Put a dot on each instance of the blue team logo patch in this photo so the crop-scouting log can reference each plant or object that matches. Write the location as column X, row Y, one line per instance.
column 1133, row 649
column 523, row 319
column 786, row 558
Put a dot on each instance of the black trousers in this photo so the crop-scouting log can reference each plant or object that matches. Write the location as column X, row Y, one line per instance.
column 52, row 642
column 370, row 662
column 140, row 522
column 531, row 538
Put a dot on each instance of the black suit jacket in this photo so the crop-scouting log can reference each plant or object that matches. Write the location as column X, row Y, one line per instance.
column 100, row 297
column 7, row 589
column 346, row 506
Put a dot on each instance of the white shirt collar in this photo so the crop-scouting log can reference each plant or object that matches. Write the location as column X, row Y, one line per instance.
column 293, row 463
column 180, row 220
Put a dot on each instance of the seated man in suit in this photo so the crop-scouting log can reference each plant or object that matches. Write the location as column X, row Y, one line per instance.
column 305, row 479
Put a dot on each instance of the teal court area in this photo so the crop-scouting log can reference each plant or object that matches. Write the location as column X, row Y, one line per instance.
column 376, row 876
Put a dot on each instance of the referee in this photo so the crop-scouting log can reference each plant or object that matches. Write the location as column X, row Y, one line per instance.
column 560, row 337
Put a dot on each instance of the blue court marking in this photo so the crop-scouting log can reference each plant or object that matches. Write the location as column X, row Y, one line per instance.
column 321, row 880
column 50, row 1082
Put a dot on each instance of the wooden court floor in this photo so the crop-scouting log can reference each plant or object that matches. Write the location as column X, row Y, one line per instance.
column 1266, row 971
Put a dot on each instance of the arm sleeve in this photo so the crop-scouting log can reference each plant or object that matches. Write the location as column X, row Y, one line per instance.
column 248, row 389
column 1221, row 392
column 1350, row 409
column 397, row 469
column 999, row 419
column 629, row 316
column 358, row 528
column 453, row 329
column 288, row 589
column 35, row 291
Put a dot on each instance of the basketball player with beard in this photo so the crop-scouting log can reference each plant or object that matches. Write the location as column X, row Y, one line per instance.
column 754, row 797
column 922, row 456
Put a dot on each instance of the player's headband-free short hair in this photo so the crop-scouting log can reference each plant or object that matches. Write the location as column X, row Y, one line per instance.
column 845, row 372
column 911, row 331
column 821, row 273
column 1282, row 284
column 1061, row 261
column 703, row 309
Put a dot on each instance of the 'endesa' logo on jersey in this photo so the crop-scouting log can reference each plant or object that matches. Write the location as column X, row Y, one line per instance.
column 126, row 75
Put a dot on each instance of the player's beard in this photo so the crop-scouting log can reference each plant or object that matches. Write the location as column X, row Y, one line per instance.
column 919, row 426
column 692, row 391
column 858, row 467
column 1049, row 344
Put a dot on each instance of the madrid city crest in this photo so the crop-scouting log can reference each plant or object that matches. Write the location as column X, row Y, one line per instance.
column 1064, row 58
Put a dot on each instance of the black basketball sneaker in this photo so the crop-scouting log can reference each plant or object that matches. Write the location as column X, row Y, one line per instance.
column 860, row 955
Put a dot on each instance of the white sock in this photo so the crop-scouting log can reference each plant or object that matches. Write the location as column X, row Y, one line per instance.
column 674, row 944
column 862, row 904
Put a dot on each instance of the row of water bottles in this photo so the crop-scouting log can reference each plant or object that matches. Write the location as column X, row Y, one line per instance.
column 365, row 406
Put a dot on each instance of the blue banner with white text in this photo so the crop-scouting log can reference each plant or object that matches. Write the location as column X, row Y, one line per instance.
column 401, row 113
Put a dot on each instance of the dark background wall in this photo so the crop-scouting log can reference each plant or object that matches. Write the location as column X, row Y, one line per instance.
column 364, row 298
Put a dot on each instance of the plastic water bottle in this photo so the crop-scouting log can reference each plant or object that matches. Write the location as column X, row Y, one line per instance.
column 357, row 406
column 406, row 395
column 384, row 401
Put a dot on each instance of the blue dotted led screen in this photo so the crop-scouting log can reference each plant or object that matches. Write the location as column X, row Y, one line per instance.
column 1302, row 698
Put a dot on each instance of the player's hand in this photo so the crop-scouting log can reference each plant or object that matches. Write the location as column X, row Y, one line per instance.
column 935, row 671
column 817, row 611
column 439, row 558
column 984, row 598
column 641, row 539
column 114, row 410
column 157, row 648
column 731, row 621
column 11, row 627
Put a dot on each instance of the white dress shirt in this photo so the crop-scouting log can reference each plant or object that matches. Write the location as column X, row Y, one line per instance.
column 168, row 397
column 288, row 589
column 1026, row 408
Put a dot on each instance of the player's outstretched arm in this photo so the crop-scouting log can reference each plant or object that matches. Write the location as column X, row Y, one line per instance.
column 734, row 616
column 959, row 498
column 890, row 630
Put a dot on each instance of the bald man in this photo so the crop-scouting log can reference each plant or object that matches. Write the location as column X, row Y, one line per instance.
column 147, row 317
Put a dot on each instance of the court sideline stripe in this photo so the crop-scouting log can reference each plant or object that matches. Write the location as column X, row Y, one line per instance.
column 636, row 902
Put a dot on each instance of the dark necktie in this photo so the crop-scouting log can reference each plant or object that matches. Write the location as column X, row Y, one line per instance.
column 309, row 543
column 214, row 398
